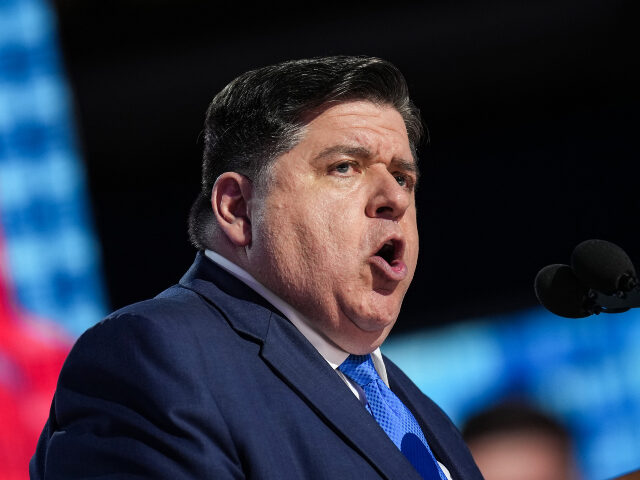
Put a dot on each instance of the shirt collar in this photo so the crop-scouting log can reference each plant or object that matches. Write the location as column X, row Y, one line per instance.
column 329, row 351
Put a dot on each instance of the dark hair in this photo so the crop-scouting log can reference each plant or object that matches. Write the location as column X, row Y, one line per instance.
column 262, row 114
column 513, row 417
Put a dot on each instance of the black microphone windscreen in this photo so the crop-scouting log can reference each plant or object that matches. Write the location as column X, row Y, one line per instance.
column 600, row 265
column 559, row 291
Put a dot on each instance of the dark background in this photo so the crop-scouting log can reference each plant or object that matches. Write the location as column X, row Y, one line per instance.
column 531, row 106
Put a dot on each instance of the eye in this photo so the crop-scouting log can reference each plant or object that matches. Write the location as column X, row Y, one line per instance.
column 346, row 168
column 343, row 167
column 405, row 181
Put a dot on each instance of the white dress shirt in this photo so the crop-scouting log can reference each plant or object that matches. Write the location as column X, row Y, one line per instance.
column 333, row 354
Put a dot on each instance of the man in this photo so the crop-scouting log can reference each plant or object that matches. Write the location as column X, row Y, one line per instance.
column 254, row 365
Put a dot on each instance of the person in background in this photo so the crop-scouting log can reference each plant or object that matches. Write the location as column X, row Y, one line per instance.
column 516, row 441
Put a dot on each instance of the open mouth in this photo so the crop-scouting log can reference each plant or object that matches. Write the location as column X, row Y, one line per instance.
column 387, row 252
column 388, row 260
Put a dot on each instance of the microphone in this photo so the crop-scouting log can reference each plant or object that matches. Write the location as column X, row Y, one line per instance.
column 603, row 266
column 601, row 278
column 559, row 291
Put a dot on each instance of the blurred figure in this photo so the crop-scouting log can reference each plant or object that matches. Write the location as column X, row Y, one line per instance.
column 514, row 441
column 31, row 355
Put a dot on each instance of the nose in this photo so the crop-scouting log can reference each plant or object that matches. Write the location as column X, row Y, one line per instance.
column 388, row 199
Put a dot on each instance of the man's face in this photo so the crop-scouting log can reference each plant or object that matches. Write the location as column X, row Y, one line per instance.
column 334, row 233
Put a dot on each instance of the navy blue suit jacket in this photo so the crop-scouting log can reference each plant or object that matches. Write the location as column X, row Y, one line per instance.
column 208, row 380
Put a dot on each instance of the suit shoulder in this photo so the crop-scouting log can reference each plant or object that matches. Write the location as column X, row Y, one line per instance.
column 176, row 300
column 137, row 388
column 175, row 325
column 150, row 345
column 177, row 309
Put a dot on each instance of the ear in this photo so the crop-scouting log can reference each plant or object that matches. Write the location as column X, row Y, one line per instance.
column 229, row 198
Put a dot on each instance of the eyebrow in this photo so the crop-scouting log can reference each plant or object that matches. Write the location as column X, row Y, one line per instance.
column 352, row 151
column 365, row 153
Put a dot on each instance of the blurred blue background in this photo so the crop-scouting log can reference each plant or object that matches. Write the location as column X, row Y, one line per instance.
column 583, row 371
column 51, row 252
column 533, row 113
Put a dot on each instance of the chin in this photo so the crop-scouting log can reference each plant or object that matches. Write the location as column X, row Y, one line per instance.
column 364, row 342
column 371, row 329
column 379, row 318
column 375, row 324
column 362, row 327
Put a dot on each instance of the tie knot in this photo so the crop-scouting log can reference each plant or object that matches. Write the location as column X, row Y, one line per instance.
column 360, row 369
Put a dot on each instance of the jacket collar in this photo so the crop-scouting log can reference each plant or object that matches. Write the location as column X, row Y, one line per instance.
column 245, row 310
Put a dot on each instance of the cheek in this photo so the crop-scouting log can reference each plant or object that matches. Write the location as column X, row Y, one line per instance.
column 329, row 225
column 413, row 241
column 305, row 238
column 321, row 237
column 413, row 247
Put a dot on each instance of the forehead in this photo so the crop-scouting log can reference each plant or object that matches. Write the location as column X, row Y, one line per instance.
column 379, row 128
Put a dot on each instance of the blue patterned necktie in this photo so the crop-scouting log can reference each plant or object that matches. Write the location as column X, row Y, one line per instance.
column 393, row 416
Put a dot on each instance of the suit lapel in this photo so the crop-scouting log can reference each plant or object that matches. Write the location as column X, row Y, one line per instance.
column 246, row 312
column 299, row 365
column 306, row 372
column 443, row 438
